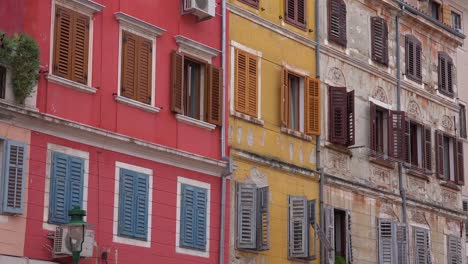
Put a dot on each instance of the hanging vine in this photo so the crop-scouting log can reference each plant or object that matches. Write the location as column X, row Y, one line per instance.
column 20, row 53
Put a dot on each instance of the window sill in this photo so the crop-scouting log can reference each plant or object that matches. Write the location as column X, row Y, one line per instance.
column 382, row 162
column 450, row 185
column 418, row 173
column 133, row 103
column 248, row 118
column 339, row 148
column 195, row 122
column 295, row 133
column 71, row 84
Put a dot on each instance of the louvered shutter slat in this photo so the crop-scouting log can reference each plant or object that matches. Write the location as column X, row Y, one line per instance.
column 421, row 246
column 312, row 107
column 418, row 66
column 301, row 12
column 141, row 189
column 397, row 146
column 337, row 22
column 351, row 119
column 372, row 126
column 454, row 250
column 449, row 77
column 442, row 73
column 75, row 179
column 215, row 95
column 201, row 215
column 14, row 178
column 252, row 91
column 402, row 244
column 386, row 242
column 284, row 98
column 63, row 37
column 460, row 163
column 144, row 71
column 80, row 48
column 58, row 211
column 188, row 224
column 407, row 154
column 129, row 65
column 126, row 203
column 246, row 224
column 241, row 75
column 343, row 26
column 177, row 83
column 427, row 149
column 338, row 115
column 263, row 219
column 291, row 10
column 439, row 140
column 298, row 231
column 379, row 35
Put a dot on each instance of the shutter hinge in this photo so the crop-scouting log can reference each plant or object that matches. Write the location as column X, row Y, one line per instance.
column 55, row 67
column 125, row 39
column 149, row 99
column 87, row 25
column 85, row 77
column 151, row 49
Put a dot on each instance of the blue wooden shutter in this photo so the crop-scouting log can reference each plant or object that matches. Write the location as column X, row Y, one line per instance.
column 13, row 177
column 126, row 203
column 141, row 206
column 201, row 215
column 58, row 210
column 75, row 180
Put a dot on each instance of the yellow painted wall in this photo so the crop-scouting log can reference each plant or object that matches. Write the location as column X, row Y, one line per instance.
column 267, row 140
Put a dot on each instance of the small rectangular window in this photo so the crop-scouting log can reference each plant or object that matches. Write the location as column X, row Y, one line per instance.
column 449, row 157
column 456, row 20
column 3, row 75
column 435, row 10
column 462, row 121
column 341, row 116
column 418, row 145
column 246, row 83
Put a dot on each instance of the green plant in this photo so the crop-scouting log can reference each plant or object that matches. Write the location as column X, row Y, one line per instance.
column 21, row 54
column 340, row 260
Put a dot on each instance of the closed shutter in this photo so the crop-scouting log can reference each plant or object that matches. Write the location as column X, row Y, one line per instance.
column 454, row 250
column 63, row 40
column 402, row 244
column 351, row 119
column 338, row 115
column 397, row 134
column 298, row 227
column 215, row 95
column 312, row 107
column 141, row 186
column 284, row 98
column 246, row 83
column 201, row 215
column 295, row 12
column 407, row 154
column 252, row 3
column 349, row 240
column 413, row 53
column 193, row 217
column 418, row 58
column 450, row 77
column 373, row 127
column 445, row 74
column 129, row 65
column 14, row 171
column 144, row 71
column 263, row 219
column 80, row 49
column 337, row 22
column 409, row 56
column 421, row 246
column 330, row 233
column 75, row 179
column 427, row 149
column 459, row 163
column 126, row 203
column 386, row 242
column 439, row 142
column 177, row 83
column 379, row 36
column 246, row 224
column 301, row 12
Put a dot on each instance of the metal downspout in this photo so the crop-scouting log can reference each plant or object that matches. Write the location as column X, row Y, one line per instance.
column 317, row 139
column 223, row 132
column 398, row 76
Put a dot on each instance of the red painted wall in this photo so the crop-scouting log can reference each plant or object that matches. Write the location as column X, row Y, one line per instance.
column 101, row 201
column 100, row 109
column 12, row 16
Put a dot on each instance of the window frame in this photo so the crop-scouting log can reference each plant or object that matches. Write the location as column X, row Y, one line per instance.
column 416, row 44
column 252, row 3
column 309, row 221
column 455, row 25
column 375, row 23
column 424, row 138
column 202, row 88
column 339, row 99
column 3, row 81
column 295, row 21
column 445, row 67
column 454, row 155
column 397, row 243
column 434, row 4
column 341, row 39
column 462, row 121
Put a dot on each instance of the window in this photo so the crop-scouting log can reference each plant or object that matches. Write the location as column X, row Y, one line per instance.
column 71, row 45
column 12, row 176
column 418, row 152
column 133, row 204
column 413, row 54
column 338, row 232
column 337, row 22
column 456, row 20
column 295, row 13
column 3, row 76
column 387, row 132
column 449, row 158
column 393, row 242
column 435, row 10
column 136, row 67
column 379, row 36
column 66, row 186
column 246, row 83
column 196, row 89
column 462, row 121
column 300, row 217
column 422, row 248
column 194, row 215
column 465, row 210
column 252, row 3
column 454, row 250
column 445, row 74
column 253, row 217
column 300, row 103
column 341, row 116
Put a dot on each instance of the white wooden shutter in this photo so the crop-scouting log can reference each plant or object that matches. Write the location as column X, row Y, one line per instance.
column 349, row 241
column 454, row 250
column 330, row 233
column 386, row 241
column 421, row 246
column 263, row 219
column 298, row 227
column 402, row 244
column 246, row 220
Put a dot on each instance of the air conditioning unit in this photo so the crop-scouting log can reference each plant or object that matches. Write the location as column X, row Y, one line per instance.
column 203, row 9
column 62, row 243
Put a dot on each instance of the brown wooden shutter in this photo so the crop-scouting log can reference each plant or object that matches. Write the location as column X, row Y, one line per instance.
column 252, row 94
column 252, row 3
column 445, row 74
column 409, row 56
column 427, row 149
column 373, row 127
column 449, row 77
column 338, row 115
column 295, row 12
column 418, row 58
column 129, row 65
column 290, row 10
column 351, row 119
column 80, row 49
column 215, row 95
column 284, row 98
column 397, row 134
column 63, row 40
column 301, row 12
column 337, row 22
column 379, row 36
column 407, row 154
column 145, row 70
column 413, row 53
column 439, row 140
column 459, row 165
column 312, row 107
column 246, row 83
column 177, row 82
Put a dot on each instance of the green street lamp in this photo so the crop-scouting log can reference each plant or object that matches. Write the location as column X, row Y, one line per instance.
column 76, row 232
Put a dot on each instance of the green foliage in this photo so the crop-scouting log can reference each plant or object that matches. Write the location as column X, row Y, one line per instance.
column 340, row 260
column 20, row 53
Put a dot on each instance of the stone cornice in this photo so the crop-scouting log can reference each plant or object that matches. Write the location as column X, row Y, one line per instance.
column 86, row 6
column 139, row 25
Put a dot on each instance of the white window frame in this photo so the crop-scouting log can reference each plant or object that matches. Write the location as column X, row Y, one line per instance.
column 200, row 184
column 150, row 32
column 115, row 227
column 51, row 148
column 87, row 8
